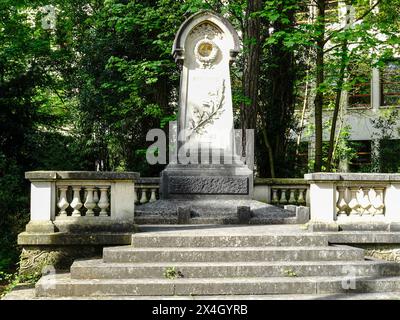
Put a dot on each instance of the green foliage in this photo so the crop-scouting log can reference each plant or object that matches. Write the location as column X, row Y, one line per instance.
column 12, row 280
column 172, row 273
column 386, row 157
column 290, row 273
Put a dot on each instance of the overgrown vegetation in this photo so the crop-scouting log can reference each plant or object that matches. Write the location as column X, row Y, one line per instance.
column 8, row 281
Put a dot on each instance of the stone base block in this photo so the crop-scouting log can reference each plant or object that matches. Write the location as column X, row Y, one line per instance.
column 302, row 214
column 244, row 214
column 40, row 227
column 207, row 182
column 183, row 215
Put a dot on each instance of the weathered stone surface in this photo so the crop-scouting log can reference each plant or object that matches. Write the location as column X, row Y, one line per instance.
column 29, row 294
column 321, row 227
column 364, row 226
column 290, row 207
column 388, row 252
column 394, row 227
column 81, row 175
column 132, row 254
column 183, row 215
column 34, row 258
column 244, row 214
column 377, row 177
column 65, row 286
column 225, row 236
column 214, row 208
column 302, row 214
column 65, row 239
column 40, row 227
column 208, row 185
column 95, row 225
column 96, row 269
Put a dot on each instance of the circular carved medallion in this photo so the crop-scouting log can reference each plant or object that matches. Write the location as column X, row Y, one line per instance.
column 206, row 52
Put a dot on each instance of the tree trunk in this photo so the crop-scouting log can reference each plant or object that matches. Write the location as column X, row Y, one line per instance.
column 252, row 48
column 339, row 90
column 319, row 97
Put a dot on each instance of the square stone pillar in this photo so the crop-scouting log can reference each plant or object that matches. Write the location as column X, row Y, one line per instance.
column 122, row 201
column 43, row 197
column 322, row 201
column 392, row 203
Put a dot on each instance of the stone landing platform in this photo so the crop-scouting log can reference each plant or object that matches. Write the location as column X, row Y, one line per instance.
column 221, row 211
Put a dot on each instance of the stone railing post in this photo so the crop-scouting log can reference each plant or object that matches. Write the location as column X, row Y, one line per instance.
column 323, row 201
column 392, row 203
column 122, row 200
column 43, row 197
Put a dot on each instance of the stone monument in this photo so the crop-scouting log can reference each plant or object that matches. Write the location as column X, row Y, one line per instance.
column 206, row 163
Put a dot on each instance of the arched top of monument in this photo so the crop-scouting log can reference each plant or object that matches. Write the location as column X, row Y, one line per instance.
column 195, row 20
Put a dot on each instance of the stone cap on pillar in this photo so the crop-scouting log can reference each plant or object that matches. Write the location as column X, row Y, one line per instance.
column 327, row 176
column 80, row 175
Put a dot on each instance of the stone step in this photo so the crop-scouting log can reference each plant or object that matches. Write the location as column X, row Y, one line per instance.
column 97, row 269
column 231, row 254
column 151, row 240
column 64, row 286
column 29, row 294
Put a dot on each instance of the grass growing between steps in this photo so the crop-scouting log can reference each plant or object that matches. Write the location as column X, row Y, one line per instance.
column 171, row 273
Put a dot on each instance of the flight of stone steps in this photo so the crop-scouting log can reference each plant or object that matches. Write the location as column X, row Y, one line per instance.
column 186, row 264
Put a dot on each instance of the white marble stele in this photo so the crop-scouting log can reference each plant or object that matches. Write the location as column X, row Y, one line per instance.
column 205, row 46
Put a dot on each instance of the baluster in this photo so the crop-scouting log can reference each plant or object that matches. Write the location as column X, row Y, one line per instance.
column 76, row 203
column 135, row 195
column 341, row 203
column 353, row 203
column 63, row 202
column 301, row 198
column 364, row 201
column 144, row 199
column 283, row 199
column 89, row 203
column 104, row 202
column 379, row 204
column 292, row 198
column 275, row 198
column 96, row 196
column 153, row 196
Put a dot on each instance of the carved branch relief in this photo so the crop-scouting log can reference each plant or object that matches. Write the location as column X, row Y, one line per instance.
column 211, row 110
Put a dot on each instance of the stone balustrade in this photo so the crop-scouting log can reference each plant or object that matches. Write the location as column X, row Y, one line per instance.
column 147, row 190
column 354, row 200
column 78, row 199
column 282, row 191
column 59, row 196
